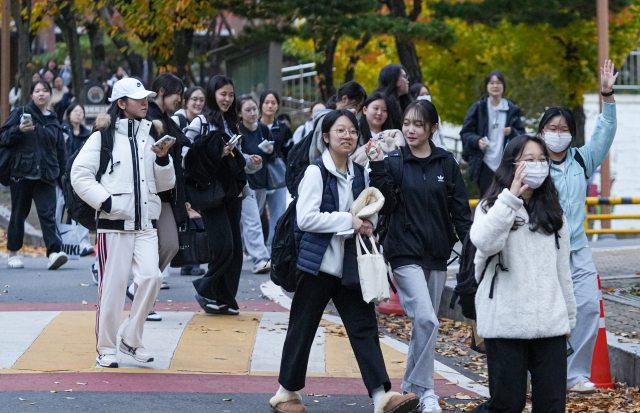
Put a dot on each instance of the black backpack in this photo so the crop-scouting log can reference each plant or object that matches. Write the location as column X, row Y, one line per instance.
column 284, row 254
column 78, row 210
column 298, row 160
column 466, row 284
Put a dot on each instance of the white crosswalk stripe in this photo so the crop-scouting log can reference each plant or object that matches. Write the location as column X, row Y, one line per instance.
column 267, row 350
column 19, row 330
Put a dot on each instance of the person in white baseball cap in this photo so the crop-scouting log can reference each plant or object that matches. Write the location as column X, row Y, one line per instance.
column 127, row 209
column 131, row 88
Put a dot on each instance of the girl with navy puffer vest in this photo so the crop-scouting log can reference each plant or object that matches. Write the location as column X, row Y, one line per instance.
column 322, row 211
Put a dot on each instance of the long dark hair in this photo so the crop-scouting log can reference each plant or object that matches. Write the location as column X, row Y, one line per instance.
column 264, row 96
column 70, row 109
column 116, row 113
column 170, row 84
column 554, row 111
column 388, row 84
column 331, row 118
column 352, row 90
column 191, row 90
column 212, row 111
column 545, row 212
column 415, row 89
column 426, row 111
column 365, row 130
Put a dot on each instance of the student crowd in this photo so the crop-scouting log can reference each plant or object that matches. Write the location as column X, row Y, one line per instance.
column 533, row 205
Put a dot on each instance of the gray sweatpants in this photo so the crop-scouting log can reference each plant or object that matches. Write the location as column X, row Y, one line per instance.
column 252, row 234
column 583, row 336
column 420, row 291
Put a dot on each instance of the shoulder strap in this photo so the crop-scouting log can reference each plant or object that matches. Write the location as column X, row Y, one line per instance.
column 578, row 157
column 323, row 171
column 106, row 153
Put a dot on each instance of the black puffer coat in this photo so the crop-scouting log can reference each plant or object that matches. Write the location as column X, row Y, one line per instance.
column 176, row 196
column 39, row 153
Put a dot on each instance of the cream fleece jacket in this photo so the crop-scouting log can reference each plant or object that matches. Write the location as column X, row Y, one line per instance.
column 534, row 299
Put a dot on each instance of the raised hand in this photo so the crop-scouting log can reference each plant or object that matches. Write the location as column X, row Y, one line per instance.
column 516, row 186
column 607, row 77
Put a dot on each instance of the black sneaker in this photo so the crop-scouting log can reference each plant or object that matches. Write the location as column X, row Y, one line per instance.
column 209, row 306
column 192, row 271
column 87, row 251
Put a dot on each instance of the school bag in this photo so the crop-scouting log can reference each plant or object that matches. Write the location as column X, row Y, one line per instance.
column 284, row 254
column 298, row 160
column 466, row 284
column 78, row 210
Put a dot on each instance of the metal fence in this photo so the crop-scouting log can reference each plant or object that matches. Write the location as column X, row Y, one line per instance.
column 299, row 91
column 629, row 77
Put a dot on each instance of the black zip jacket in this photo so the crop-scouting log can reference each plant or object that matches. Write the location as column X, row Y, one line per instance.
column 250, row 142
column 40, row 152
column 75, row 142
column 424, row 208
column 476, row 127
column 176, row 196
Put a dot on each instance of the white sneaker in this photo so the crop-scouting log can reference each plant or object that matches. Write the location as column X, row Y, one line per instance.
column 429, row 404
column 15, row 262
column 107, row 360
column 139, row 354
column 263, row 267
column 584, row 386
column 56, row 260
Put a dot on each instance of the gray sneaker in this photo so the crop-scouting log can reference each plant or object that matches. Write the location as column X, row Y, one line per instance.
column 139, row 354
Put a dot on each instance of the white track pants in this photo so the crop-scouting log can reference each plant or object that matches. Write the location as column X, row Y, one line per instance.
column 120, row 253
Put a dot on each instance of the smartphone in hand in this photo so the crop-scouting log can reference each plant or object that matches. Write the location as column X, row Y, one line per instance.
column 164, row 141
column 234, row 141
column 26, row 117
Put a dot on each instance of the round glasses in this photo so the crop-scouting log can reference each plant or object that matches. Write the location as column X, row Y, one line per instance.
column 343, row 133
column 532, row 164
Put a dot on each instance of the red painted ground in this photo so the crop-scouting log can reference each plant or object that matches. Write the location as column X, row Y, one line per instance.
column 262, row 306
column 190, row 383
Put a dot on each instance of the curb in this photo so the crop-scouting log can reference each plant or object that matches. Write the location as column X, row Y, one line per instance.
column 31, row 235
column 624, row 358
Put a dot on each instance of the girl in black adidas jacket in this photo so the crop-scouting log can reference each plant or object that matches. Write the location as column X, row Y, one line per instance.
column 425, row 197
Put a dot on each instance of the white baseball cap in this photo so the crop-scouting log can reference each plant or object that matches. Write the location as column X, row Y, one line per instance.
column 131, row 88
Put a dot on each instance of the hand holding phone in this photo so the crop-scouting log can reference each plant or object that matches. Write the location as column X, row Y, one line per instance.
column 165, row 141
column 266, row 147
column 26, row 123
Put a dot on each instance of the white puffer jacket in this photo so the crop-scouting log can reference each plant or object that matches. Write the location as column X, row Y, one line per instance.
column 534, row 298
column 132, row 184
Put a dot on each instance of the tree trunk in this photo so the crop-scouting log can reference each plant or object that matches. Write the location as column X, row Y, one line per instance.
column 409, row 58
column 183, row 41
column 66, row 21
column 353, row 60
column 135, row 60
column 578, row 114
column 96, row 39
column 325, row 68
column 24, row 48
column 404, row 44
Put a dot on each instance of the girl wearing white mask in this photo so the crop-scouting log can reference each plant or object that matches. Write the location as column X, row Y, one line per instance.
column 525, row 305
column 570, row 170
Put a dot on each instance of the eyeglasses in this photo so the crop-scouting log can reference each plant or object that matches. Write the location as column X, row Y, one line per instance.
column 532, row 163
column 343, row 133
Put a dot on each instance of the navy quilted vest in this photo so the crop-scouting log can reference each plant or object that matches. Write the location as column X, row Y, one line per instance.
column 312, row 246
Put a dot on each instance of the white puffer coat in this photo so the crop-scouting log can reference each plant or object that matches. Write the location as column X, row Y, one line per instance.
column 534, row 298
column 132, row 184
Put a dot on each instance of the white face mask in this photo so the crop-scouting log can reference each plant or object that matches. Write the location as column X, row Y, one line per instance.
column 537, row 175
column 427, row 97
column 557, row 142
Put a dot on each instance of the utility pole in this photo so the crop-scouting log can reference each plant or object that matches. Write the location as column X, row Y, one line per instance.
column 5, row 59
column 603, row 54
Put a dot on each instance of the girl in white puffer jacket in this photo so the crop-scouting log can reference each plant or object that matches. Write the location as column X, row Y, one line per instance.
column 127, row 208
column 525, row 305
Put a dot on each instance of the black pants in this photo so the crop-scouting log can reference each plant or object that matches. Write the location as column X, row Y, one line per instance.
column 221, row 281
column 312, row 296
column 484, row 179
column 44, row 196
column 508, row 362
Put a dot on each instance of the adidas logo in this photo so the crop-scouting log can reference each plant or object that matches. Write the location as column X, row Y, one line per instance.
column 440, row 178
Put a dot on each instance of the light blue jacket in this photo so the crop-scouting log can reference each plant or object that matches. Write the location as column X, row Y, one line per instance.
column 572, row 184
